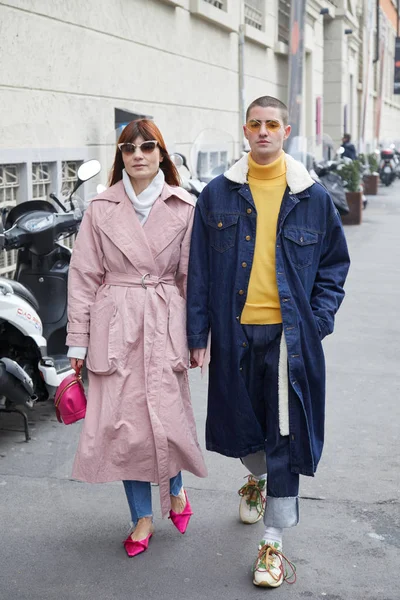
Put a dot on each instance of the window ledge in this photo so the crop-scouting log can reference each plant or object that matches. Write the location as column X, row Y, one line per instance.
column 176, row 3
column 281, row 48
column 208, row 12
column 257, row 36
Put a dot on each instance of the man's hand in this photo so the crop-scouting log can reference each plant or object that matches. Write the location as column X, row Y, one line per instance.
column 76, row 364
column 197, row 357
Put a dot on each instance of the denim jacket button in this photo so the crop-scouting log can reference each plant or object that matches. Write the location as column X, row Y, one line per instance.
column 249, row 211
column 248, row 238
column 241, row 292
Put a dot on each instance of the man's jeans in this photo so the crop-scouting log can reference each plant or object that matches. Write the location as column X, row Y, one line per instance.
column 138, row 494
column 260, row 371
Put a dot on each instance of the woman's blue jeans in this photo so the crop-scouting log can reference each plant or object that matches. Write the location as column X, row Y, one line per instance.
column 138, row 494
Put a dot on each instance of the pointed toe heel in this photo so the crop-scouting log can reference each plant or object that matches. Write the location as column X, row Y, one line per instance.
column 181, row 520
column 133, row 548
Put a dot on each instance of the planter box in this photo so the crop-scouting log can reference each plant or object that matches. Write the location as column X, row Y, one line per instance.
column 371, row 185
column 354, row 217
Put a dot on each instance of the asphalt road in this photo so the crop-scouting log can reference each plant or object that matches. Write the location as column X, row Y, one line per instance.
column 61, row 540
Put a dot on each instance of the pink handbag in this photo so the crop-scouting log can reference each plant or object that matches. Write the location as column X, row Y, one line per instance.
column 70, row 399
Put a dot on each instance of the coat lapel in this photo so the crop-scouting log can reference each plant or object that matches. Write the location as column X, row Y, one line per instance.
column 123, row 228
column 142, row 244
column 162, row 226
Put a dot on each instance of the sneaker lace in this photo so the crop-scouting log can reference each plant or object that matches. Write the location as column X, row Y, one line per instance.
column 253, row 490
column 266, row 556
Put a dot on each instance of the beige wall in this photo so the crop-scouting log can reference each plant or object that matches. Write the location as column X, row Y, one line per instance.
column 67, row 64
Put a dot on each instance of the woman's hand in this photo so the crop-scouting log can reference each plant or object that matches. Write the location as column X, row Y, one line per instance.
column 76, row 364
column 197, row 357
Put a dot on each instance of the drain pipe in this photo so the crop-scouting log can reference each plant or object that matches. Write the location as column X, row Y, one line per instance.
column 242, row 108
column 376, row 59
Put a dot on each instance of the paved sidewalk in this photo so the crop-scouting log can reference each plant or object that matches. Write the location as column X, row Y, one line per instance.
column 61, row 540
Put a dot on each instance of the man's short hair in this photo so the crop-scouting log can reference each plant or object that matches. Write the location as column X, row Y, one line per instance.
column 270, row 101
column 347, row 136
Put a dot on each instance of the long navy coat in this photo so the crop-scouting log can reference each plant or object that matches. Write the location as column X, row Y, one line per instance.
column 312, row 262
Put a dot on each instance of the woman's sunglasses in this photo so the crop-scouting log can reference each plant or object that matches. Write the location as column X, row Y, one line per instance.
column 255, row 125
column 145, row 147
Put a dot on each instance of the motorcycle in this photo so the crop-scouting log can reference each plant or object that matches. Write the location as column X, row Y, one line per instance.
column 33, row 305
column 188, row 181
column 387, row 166
column 324, row 173
column 16, row 387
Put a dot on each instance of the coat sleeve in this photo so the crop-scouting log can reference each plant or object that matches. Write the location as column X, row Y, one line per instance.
column 198, row 322
column 86, row 275
column 182, row 271
column 328, row 293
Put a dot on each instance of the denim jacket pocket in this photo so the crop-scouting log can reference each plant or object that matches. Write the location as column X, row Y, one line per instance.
column 300, row 245
column 222, row 230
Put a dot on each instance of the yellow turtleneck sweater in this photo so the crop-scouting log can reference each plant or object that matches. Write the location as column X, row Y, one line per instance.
column 267, row 186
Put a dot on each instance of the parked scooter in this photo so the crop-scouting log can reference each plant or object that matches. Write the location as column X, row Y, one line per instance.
column 16, row 387
column 188, row 181
column 33, row 306
column 324, row 173
column 388, row 167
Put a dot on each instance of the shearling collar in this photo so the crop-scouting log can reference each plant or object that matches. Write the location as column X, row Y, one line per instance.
column 297, row 176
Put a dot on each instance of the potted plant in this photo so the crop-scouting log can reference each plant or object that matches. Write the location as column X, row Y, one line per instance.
column 371, row 179
column 350, row 172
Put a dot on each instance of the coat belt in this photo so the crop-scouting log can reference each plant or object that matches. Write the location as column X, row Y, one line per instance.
column 146, row 280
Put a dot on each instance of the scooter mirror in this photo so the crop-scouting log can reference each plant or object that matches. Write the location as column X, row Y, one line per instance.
column 177, row 160
column 100, row 188
column 89, row 169
column 340, row 150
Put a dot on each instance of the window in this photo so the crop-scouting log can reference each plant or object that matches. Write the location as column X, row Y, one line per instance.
column 253, row 13
column 68, row 179
column 9, row 184
column 218, row 12
column 284, row 20
column 40, row 181
column 216, row 3
column 69, row 176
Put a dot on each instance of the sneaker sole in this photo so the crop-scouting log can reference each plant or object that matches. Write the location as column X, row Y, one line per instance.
column 250, row 522
column 265, row 584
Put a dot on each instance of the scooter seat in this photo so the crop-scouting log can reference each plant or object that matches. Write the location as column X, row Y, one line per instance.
column 21, row 291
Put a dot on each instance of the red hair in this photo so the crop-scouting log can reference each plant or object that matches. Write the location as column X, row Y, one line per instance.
column 148, row 131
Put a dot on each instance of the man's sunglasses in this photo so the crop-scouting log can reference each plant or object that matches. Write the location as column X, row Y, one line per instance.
column 255, row 125
column 145, row 147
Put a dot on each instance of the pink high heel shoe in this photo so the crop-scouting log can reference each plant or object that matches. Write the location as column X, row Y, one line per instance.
column 136, row 547
column 181, row 520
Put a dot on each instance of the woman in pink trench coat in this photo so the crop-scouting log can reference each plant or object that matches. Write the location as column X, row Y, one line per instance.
column 127, row 310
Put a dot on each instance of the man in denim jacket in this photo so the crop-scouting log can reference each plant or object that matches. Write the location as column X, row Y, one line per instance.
column 267, row 267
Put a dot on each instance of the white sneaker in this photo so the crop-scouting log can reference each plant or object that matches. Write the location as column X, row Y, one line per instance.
column 268, row 570
column 252, row 502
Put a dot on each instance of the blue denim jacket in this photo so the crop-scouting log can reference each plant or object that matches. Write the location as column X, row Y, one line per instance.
column 312, row 262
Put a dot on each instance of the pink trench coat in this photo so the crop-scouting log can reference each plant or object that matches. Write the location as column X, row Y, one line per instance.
column 127, row 289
